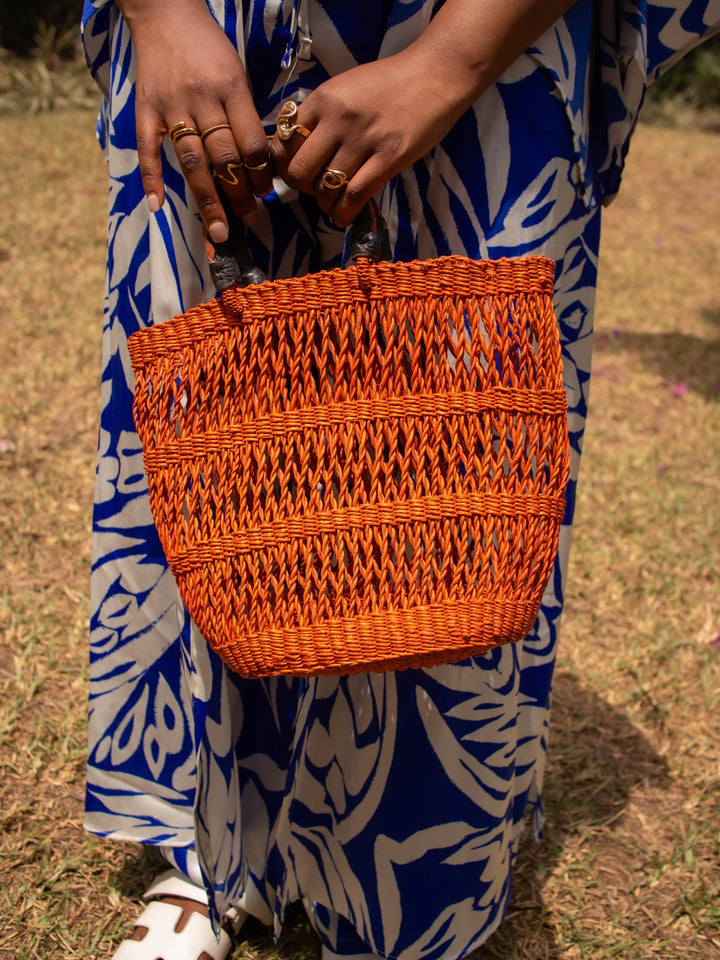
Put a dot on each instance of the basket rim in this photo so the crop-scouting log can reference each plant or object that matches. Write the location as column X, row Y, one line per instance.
column 451, row 276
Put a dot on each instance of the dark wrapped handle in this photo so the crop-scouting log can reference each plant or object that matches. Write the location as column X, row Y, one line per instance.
column 367, row 239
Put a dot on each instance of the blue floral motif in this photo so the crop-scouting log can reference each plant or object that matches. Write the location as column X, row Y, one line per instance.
column 391, row 803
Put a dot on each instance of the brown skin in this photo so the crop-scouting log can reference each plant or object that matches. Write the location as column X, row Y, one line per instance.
column 370, row 122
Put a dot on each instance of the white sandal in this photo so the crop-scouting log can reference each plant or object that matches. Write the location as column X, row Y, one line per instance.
column 167, row 936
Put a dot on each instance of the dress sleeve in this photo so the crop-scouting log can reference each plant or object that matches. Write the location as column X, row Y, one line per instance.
column 637, row 41
column 673, row 28
column 98, row 17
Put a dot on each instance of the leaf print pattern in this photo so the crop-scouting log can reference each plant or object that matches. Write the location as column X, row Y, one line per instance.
column 390, row 803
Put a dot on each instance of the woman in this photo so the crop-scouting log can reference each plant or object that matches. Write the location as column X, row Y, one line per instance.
column 392, row 803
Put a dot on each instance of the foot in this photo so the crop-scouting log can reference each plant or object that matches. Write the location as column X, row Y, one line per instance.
column 175, row 924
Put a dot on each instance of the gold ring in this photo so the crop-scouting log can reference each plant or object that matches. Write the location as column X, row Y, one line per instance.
column 175, row 127
column 231, row 168
column 333, row 179
column 285, row 126
column 213, row 128
column 260, row 166
column 180, row 129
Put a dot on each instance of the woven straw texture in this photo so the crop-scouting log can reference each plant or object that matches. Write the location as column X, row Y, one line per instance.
column 360, row 469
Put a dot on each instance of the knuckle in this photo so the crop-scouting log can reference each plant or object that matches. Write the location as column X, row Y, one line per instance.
column 256, row 153
column 355, row 195
column 292, row 179
column 221, row 158
column 300, row 172
column 150, row 178
column 191, row 161
column 318, row 99
column 236, row 90
column 207, row 204
column 146, row 144
column 278, row 155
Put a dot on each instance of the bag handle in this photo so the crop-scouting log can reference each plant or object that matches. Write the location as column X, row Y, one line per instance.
column 367, row 239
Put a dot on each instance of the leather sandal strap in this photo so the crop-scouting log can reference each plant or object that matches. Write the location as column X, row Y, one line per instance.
column 172, row 883
column 161, row 919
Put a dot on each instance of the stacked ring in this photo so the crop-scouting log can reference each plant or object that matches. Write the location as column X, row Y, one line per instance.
column 180, row 129
column 213, row 128
column 333, row 179
column 285, row 126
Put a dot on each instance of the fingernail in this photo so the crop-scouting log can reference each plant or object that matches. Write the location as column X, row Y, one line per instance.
column 218, row 231
column 153, row 202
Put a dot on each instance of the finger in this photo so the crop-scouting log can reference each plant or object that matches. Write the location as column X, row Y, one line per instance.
column 300, row 149
column 228, row 166
column 196, row 170
column 356, row 192
column 303, row 165
column 252, row 143
column 333, row 180
column 150, row 135
column 259, row 168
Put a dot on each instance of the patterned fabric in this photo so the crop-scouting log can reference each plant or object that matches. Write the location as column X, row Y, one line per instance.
column 390, row 803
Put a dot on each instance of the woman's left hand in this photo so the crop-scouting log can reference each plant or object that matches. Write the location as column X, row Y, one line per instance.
column 367, row 124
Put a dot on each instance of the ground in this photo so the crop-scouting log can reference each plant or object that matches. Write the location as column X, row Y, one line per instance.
column 629, row 865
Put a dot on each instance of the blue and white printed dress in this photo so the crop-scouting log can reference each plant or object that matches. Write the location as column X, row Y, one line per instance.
column 391, row 803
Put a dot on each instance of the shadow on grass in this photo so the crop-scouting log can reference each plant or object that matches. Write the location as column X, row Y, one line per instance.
column 677, row 357
column 595, row 760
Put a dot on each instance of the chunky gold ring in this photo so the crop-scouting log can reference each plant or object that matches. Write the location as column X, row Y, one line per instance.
column 231, row 168
column 333, row 179
column 175, row 127
column 213, row 128
column 178, row 130
column 285, row 126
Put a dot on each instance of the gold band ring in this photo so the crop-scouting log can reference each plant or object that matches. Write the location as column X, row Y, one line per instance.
column 260, row 166
column 285, row 126
column 213, row 128
column 180, row 129
column 333, row 179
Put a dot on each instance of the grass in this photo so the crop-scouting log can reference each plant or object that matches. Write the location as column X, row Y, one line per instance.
column 629, row 867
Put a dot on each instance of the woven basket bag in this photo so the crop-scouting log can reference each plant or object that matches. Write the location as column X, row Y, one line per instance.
column 360, row 469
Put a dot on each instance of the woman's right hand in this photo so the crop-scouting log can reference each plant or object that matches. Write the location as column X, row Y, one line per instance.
column 189, row 71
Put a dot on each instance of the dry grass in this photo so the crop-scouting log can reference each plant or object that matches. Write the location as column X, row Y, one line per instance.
column 630, row 864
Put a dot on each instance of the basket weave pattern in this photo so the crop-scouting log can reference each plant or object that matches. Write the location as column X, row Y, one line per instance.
column 359, row 469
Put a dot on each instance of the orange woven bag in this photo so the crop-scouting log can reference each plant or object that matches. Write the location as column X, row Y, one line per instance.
column 360, row 469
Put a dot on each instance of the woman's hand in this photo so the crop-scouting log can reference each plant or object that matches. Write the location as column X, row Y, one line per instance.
column 189, row 72
column 378, row 118
column 368, row 123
